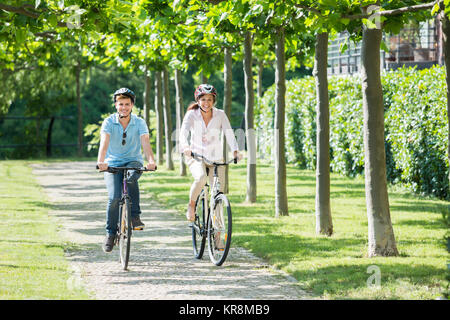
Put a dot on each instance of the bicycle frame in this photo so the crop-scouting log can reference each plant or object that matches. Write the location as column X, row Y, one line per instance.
column 124, row 232
column 214, row 224
column 214, row 189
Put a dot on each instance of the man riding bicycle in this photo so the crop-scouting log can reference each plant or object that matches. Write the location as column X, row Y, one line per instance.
column 122, row 136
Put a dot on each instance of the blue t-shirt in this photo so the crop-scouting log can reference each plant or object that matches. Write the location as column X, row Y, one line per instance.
column 117, row 154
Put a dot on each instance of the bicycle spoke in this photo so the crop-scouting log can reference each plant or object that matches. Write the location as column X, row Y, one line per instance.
column 198, row 227
column 219, row 230
column 125, row 234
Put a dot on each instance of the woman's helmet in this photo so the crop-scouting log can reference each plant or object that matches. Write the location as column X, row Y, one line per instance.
column 125, row 92
column 205, row 89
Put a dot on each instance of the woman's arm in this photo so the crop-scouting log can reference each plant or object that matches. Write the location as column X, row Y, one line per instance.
column 184, row 133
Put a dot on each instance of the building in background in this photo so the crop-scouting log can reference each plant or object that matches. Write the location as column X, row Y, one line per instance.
column 419, row 44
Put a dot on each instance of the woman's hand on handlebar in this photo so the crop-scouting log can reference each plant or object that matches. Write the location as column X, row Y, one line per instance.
column 237, row 155
column 188, row 153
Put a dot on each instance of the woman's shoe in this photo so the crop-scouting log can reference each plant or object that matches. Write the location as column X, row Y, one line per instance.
column 218, row 243
column 190, row 214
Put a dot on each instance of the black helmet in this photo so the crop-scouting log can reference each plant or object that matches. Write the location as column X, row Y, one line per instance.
column 125, row 92
column 204, row 89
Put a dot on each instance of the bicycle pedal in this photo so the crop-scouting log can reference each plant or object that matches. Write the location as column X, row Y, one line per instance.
column 138, row 228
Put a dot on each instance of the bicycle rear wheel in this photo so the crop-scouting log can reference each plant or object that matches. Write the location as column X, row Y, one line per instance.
column 125, row 233
column 219, row 230
column 198, row 227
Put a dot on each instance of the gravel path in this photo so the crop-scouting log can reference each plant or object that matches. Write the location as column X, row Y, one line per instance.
column 162, row 265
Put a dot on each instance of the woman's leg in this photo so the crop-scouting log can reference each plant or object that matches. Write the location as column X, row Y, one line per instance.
column 198, row 172
column 221, row 176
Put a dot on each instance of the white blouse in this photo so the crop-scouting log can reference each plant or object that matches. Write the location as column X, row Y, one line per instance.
column 206, row 140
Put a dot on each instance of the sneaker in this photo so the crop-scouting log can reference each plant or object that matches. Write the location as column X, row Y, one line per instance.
column 108, row 243
column 137, row 223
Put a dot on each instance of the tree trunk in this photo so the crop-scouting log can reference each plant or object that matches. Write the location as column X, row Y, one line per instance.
column 259, row 89
column 446, row 35
column 79, row 109
column 180, row 116
column 167, row 121
column 249, row 130
column 281, row 203
column 381, row 233
column 227, row 97
column 159, row 118
column 147, row 100
column 324, row 223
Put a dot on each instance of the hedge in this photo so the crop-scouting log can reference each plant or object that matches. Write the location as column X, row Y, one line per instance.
column 416, row 127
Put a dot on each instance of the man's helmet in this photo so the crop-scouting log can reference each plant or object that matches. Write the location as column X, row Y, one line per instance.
column 125, row 92
column 205, row 89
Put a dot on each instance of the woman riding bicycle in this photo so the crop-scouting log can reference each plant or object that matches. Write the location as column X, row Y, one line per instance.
column 205, row 123
column 122, row 135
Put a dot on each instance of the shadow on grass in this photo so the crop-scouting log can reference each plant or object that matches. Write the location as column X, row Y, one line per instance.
column 344, row 278
column 333, row 265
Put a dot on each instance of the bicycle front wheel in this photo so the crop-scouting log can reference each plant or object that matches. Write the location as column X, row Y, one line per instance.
column 219, row 230
column 125, row 233
column 198, row 227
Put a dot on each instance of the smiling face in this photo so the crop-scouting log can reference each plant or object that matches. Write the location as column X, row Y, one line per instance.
column 123, row 106
column 206, row 102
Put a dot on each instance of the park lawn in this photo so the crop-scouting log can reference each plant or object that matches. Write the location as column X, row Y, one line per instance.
column 32, row 262
column 333, row 267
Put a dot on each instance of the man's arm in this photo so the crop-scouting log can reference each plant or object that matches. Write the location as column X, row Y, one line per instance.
column 148, row 152
column 104, row 143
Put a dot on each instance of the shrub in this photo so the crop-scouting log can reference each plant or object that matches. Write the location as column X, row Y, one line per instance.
column 416, row 128
column 416, row 120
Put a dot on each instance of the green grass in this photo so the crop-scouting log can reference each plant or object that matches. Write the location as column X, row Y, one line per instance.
column 32, row 262
column 333, row 267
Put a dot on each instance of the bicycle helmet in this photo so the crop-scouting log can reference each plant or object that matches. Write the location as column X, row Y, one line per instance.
column 125, row 92
column 205, row 89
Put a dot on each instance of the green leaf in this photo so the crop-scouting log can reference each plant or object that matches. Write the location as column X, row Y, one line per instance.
column 384, row 46
column 53, row 21
column 345, row 21
column 343, row 47
column 369, row 24
column 20, row 35
column 435, row 9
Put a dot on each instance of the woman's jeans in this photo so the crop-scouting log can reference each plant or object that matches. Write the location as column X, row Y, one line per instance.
column 114, row 182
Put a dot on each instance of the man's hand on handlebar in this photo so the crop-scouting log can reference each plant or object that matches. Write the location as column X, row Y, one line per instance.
column 151, row 166
column 102, row 166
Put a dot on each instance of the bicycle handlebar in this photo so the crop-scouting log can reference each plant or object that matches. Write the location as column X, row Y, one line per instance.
column 117, row 169
column 196, row 155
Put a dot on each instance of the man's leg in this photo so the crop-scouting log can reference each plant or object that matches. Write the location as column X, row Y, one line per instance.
column 133, row 192
column 113, row 184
